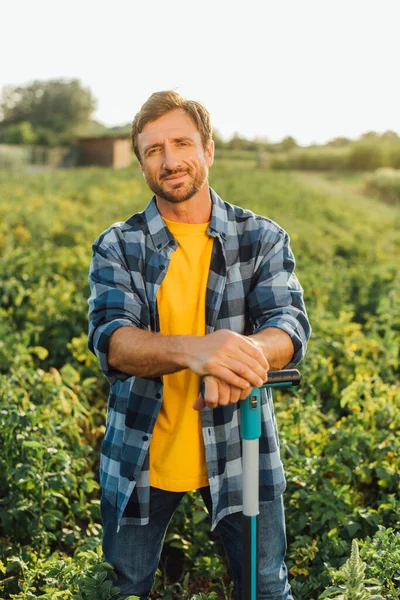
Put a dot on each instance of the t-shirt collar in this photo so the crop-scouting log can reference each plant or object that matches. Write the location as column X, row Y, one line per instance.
column 161, row 235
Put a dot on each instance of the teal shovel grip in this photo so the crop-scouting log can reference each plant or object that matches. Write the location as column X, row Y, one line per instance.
column 250, row 408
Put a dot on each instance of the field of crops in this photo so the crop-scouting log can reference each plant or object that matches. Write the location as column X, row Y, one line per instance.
column 339, row 432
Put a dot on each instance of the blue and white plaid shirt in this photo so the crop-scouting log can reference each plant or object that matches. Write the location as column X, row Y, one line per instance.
column 251, row 285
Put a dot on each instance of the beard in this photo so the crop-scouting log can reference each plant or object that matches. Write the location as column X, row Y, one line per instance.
column 180, row 192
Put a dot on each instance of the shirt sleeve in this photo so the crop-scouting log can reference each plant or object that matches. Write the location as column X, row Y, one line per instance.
column 276, row 298
column 113, row 303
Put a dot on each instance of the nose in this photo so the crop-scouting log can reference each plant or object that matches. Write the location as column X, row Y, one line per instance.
column 171, row 159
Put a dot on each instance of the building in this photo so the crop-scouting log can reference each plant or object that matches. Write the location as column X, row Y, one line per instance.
column 105, row 151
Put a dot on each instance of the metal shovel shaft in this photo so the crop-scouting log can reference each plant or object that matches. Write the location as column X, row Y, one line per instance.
column 250, row 430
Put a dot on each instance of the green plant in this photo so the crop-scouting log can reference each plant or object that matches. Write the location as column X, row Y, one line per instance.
column 382, row 556
column 338, row 432
column 385, row 183
column 355, row 586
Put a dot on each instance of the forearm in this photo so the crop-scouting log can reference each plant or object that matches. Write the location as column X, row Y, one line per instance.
column 276, row 345
column 145, row 354
column 223, row 353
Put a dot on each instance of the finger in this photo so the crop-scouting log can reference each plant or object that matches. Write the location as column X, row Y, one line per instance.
column 199, row 403
column 229, row 376
column 253, row 349
column 211, row 392
column 246, row 350
column 245, row 393
column 224, row 390
column 253, row 377
column 253, row 364
column 235, row 394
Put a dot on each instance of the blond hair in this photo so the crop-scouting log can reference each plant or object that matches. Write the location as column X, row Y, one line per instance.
column 159, row 104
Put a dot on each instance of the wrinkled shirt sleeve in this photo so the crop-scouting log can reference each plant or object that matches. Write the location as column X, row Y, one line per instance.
column 276, row 299
column 113, row 303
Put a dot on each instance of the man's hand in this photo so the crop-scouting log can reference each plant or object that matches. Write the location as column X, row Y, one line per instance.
column 235, row 359
column 219, row 393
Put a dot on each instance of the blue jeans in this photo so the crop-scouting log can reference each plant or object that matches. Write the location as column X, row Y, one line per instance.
column 135, row 551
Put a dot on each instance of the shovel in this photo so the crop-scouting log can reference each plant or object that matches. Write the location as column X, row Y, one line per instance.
column 250, row 431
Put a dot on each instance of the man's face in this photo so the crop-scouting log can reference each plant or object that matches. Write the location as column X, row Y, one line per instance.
column 174, row 162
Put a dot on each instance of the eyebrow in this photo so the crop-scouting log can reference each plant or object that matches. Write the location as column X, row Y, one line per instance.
column 183, row 138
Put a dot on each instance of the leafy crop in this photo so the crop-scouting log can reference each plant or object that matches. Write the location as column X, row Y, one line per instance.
column 338, row 432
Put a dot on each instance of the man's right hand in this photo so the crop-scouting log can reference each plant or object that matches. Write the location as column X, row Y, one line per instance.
column 219, row 393
column 236, row 359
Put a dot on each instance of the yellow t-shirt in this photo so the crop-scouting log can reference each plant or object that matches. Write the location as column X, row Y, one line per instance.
column 177, row 457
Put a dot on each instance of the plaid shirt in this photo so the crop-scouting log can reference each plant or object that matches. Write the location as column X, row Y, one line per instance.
column 251, row 286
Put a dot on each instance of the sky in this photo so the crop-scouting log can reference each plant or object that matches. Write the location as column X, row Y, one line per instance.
column 312, row 69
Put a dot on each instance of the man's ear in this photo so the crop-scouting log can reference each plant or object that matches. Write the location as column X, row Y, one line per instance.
column 209, row 152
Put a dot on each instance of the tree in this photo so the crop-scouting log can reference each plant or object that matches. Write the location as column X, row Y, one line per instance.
column 237, row 142
column 369, row 136
column 339, row 142
column 390, row 136
column 288, row 143
column 59, row 105
column 218, row 139
column 19, row 133
column 366, row 156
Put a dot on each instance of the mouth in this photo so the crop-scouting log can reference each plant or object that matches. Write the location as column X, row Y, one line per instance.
column 176, row 177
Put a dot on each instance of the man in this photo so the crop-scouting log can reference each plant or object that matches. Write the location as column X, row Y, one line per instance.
column 191, row 289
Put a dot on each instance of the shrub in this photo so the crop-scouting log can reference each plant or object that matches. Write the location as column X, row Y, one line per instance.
column 20, row 133
column 366, row 156
column 384, row 183
column 312, row 159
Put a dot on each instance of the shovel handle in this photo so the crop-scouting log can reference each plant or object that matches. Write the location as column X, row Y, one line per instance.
column 250, row 408
column 284, row 378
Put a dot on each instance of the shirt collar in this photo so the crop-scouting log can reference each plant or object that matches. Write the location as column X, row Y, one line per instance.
column 161, row 235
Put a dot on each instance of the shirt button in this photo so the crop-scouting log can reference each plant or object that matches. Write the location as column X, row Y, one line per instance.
column 162, row 267
column 158, row 396
column 171, row 243
column 213, row 473
column 145, row 438
column 131, row 478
